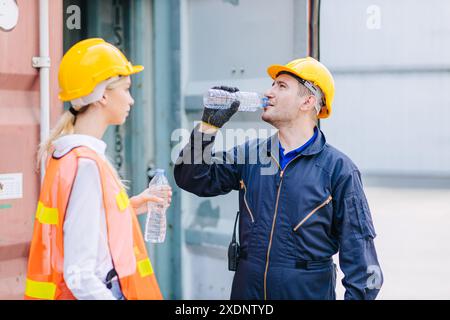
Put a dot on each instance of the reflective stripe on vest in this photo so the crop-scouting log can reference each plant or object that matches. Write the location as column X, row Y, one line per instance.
column 46, row 215
column 40, row 290
column 122, row 200
column 145, row 267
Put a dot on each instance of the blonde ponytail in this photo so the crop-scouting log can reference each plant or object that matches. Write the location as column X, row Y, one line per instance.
column 64, row 126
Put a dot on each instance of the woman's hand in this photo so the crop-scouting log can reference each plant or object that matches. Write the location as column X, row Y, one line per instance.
column 139, row 202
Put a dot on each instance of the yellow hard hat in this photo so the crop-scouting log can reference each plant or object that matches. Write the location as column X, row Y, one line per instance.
column 88, row 63
column 311, row 70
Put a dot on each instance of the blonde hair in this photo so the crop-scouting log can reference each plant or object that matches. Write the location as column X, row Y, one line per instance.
column 117, row 83
column 66, row 126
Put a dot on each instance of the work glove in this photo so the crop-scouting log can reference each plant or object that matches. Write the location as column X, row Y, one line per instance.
column 218, row 117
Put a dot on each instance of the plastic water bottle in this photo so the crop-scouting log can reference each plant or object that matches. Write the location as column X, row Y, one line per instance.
column 221, row 99
column 155, row 227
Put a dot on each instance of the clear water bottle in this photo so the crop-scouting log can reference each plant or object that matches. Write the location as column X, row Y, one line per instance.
column 155, row 226
column 221, row 99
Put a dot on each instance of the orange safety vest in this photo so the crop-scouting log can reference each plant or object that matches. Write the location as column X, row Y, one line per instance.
column 45, row 277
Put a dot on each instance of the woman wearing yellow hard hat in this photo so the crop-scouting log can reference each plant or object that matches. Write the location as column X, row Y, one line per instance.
column 87, row 243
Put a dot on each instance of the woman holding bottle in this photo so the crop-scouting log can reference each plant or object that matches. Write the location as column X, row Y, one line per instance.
column 87, row 243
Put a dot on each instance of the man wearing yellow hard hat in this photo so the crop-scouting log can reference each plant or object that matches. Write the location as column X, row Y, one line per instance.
column 292, row 219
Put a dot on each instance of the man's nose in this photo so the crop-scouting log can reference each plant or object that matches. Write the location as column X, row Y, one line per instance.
column 269, row 93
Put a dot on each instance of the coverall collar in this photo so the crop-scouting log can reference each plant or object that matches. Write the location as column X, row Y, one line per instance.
column 315, row 148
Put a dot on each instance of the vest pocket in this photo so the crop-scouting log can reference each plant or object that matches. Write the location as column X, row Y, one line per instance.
column 310, row 214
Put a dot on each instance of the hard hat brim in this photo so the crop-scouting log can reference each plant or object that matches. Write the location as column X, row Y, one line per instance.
column 275, row 69
column 137, row 69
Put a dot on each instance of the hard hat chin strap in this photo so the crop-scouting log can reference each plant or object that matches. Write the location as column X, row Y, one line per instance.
column 317, row 93
column 95, row 96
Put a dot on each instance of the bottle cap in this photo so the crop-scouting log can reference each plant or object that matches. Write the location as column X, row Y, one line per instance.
column 159, row 171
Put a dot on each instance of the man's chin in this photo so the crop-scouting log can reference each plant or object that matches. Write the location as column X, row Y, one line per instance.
column 266, row 117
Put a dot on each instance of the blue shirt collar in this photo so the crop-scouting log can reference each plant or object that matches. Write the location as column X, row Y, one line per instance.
column 286, row 158
column 301, row 148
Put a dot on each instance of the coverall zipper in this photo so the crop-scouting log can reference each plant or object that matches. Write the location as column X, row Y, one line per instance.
column 245, row 200
column 274, row 220
column 323, row 204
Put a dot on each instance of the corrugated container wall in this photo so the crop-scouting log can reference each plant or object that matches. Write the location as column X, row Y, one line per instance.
column 19, row 134
column 391, row 67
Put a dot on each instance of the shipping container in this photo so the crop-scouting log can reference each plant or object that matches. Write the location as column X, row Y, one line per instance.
column 20, row 134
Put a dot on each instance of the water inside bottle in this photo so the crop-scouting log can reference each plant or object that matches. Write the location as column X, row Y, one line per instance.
column 220, row 99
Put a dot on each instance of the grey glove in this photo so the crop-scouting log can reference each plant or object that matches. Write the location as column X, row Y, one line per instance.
column 218, row 117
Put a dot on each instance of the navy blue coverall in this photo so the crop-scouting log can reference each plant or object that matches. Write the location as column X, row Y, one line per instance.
column 292, row 220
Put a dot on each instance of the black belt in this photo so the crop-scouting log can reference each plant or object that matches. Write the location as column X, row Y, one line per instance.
column 312, row 264
column 300, row 264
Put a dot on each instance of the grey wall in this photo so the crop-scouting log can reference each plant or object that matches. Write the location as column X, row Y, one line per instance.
column 392, row 103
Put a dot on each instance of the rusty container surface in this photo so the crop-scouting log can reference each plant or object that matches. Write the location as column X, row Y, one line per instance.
column 19, row 136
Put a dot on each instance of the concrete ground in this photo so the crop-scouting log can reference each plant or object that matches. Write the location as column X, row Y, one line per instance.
column 413, row 242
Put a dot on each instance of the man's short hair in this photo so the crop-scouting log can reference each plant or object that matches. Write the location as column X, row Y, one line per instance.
column 308, row 88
